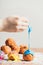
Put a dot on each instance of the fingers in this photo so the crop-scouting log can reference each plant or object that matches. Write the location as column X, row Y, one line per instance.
column 18, row 20
column 13, row 19
column 24, row 19
column 18, row 23
column 21, row 22
column 21, row 27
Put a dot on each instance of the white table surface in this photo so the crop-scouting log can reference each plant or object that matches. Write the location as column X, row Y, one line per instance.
column 38, row 60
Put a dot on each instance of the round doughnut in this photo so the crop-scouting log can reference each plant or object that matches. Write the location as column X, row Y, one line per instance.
column 6, row 49
column 28, row 55
column 23, row 49
column 10, row 42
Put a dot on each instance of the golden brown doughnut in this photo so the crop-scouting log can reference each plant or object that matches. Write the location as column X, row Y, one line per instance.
column 6, row 49
column 10, row 42
column 16, row 48
column 23, row 49
column 28, row 57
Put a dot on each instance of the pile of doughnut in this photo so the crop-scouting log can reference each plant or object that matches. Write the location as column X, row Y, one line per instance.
column 13, row 50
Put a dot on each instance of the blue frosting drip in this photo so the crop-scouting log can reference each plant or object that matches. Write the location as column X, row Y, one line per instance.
column 29, row 29
column 28, row 52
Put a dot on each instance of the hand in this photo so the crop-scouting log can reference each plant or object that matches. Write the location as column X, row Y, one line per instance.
column 15, row 24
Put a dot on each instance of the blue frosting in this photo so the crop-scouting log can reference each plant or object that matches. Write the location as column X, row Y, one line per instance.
column 28, row 52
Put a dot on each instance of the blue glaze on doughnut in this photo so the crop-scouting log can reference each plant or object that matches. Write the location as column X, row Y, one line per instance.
column 28, row 52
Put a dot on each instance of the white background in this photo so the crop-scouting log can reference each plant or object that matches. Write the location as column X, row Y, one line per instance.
column 33, row 10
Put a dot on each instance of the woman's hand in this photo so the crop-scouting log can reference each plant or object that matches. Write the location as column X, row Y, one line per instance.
column 15, row 24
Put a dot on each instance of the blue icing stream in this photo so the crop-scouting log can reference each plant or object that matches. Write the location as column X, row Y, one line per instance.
column 29, row 29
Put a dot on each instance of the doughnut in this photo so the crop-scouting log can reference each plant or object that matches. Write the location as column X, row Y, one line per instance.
column 13, row 56
column 23, row 49
column 6, row 49
column 28, row 55
column 10, row 42
column 15, row 48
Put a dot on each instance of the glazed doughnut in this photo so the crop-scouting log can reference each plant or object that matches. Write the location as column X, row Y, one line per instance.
column 6, row 49
column 13, row 56
column 23, row 49
column 28, row 55
column 16, row 48
column 10, row 42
